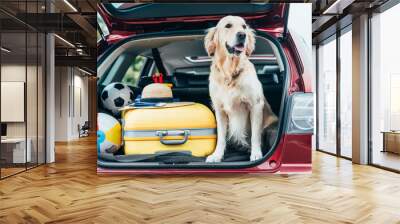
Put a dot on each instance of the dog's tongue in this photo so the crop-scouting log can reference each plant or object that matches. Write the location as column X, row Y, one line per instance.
column 239, row 47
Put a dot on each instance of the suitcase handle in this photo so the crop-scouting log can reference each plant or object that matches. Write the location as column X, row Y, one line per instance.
column 163, row 134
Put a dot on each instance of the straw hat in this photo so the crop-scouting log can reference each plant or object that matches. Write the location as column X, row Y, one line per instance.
column 156, row 91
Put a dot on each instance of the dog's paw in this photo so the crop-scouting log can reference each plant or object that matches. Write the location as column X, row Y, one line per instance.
column 256, row 155
column 214, row 158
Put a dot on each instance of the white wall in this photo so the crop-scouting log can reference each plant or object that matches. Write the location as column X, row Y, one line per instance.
column 80, row 110
column 33, row 126
column 16, row 73
column 71, row 102
column 61, row 103
column 300, row 21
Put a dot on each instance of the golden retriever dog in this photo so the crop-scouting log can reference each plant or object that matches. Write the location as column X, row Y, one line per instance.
column 237, row 95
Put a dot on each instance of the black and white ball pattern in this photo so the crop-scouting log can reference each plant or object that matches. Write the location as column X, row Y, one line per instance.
column 115, row 96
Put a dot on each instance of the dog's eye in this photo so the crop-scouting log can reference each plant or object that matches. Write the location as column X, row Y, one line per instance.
column 244, row 26
column 228, row 25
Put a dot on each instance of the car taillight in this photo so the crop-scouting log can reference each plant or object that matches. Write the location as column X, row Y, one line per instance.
column 301, row 114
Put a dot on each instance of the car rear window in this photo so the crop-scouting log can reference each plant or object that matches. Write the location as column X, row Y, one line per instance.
column 121, row 6
column 133, row 73
column 127, row 69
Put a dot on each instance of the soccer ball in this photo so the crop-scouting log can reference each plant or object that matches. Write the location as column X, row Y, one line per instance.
column 108, row 133
column 116, row 96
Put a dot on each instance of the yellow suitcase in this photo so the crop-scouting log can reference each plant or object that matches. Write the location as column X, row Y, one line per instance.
column 169, row 127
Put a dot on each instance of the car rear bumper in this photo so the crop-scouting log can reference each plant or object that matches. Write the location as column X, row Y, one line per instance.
column 293, row 155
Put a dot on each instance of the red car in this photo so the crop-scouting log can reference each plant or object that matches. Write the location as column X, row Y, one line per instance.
column 134, row 39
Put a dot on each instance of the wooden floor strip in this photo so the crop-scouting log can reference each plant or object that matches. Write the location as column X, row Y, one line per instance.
column 70, row 191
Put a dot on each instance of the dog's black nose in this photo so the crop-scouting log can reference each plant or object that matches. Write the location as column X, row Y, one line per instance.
column 241, row 35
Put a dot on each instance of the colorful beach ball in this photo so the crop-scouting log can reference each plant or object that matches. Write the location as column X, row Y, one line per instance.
column 108, row 133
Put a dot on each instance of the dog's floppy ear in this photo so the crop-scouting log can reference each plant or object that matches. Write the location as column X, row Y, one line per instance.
column 210, row 42
column 251, row 42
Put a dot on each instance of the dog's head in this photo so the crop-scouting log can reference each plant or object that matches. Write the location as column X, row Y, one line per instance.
column 232, row 36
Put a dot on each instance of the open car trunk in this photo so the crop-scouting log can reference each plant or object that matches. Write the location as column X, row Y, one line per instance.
column 187, row 68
